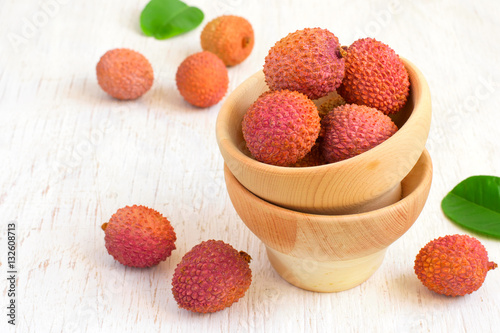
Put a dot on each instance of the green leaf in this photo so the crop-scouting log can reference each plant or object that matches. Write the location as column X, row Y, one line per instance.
column 164, row 19
column 475, row 204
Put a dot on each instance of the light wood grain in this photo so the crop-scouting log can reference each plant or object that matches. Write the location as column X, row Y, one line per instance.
column 71, row 156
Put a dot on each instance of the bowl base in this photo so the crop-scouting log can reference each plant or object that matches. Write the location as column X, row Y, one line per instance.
column 324, row 276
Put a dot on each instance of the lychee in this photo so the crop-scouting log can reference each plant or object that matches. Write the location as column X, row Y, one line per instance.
column 374, row 76
column 210, row 277
column 350, row 129
column 139, row 236
column 124, row 74
column 229, row 37
column 453, row 265
column 202, row 79
column 330, row 102
column 281, row 127
column 307, row 61
column 313, row 158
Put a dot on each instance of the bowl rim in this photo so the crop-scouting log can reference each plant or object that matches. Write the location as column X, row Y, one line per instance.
column 425, row 177
column 418, row 91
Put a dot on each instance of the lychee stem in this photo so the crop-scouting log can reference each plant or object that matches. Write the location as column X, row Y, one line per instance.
column 245, row 256
column 492, row 265
column 343, row 51
column 245, row 41
column 104, row 226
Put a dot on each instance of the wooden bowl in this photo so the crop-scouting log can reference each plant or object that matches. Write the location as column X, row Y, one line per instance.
column 331, row 253
column 365, row 182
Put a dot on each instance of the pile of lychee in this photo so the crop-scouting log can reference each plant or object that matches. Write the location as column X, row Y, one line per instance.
column 326, row 103
column 202, row 78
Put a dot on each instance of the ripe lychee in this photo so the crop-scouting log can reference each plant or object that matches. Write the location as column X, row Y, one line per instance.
column 281, row 127
column 374, row 76
column 229, row 37
column 313, row 158
column 202, row 79
column 210, row 277
column 307, row 61
column 453, row 265
column 124, row 74
column 139, row 236
column 350, row 129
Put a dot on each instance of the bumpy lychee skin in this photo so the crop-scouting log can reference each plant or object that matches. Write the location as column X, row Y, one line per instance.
column 229, row 37
column 281, row 127
column 124, row 74
column 350, row 129
column 139, row 236
column 307, row 61
column 211, row 277
column 330, row 103
column 313, row 158
column 202, row 79
column 374, row 76
column 453, row 265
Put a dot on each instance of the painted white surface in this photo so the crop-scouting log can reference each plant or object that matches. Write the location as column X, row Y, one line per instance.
column 71, row 156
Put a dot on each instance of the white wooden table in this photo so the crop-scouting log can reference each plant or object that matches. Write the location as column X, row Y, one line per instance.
column 71, row 156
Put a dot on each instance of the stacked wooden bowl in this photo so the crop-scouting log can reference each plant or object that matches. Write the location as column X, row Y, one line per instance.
column 326, row 228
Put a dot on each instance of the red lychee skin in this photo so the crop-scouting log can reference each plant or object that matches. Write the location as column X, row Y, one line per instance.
column 281, row 127
column 374, row 76
column 230, row 37
column 350, row 129
column 139, row 236
column 307, row 61
column 124, row 74
column 211, row 277
column 313, row 158
column 202, row 79
column 453, row 265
